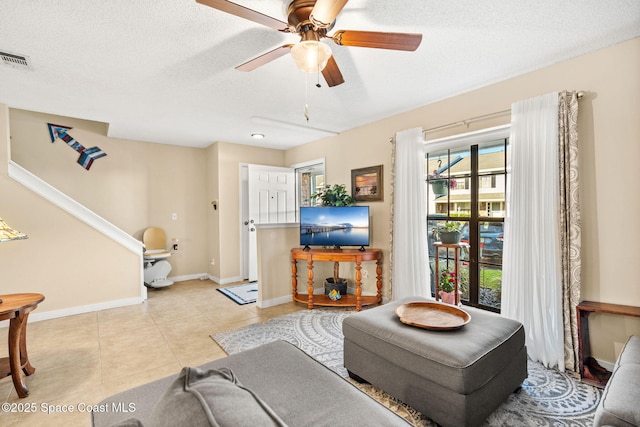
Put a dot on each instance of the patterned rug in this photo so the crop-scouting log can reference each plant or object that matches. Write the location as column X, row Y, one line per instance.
column 547, row 397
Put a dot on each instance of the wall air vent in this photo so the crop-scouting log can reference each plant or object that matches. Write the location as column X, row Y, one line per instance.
column 15, row 60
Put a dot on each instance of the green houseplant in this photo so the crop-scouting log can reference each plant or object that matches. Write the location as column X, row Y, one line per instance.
column 449, row 232
column 447, row 285
column 335, row 195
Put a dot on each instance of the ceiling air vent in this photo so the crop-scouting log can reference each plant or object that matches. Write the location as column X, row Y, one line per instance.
column 15, row 60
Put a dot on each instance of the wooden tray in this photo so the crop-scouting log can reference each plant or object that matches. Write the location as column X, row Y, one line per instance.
column 432, row 315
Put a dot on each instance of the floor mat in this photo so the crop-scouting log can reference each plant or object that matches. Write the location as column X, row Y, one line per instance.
column 242, row 294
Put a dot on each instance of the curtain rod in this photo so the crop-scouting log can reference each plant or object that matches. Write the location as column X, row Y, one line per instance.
column 467, row 122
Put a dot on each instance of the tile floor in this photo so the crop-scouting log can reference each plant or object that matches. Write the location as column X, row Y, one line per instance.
column 82, row 359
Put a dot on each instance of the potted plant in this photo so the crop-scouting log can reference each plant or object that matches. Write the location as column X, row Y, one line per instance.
column 335, row 195
column 449, row 232
column 447, row 284
column 440, row 184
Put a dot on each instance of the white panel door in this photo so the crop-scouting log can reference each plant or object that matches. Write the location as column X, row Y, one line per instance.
column 271, row 201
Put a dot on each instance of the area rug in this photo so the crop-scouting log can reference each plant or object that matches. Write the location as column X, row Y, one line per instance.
column 547, row 397
column 242, row 294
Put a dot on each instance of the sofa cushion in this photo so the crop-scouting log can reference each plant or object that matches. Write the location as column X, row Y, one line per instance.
column 631, row 351
column 619, row 403
column 211, row 397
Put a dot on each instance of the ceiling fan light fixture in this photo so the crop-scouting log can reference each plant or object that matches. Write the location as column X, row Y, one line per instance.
column 311, row 56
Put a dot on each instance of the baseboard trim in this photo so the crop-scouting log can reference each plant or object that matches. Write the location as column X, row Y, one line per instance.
column 197, row 276
column 228, row 280
column 606, row 365
column 71, row 311
column 274, row 301
column 205, row 276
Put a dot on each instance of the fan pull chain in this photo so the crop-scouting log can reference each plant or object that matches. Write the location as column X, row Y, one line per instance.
column 306, row 96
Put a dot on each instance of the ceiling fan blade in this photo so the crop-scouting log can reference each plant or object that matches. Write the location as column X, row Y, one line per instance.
column 246, row 13
column 265, row 58
column 395, row 41
column 325, row 12
column 332, row 74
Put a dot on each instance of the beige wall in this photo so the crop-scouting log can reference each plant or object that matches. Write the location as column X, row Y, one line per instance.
column 72, row 264
column 137, row 185
column 609, row 131
column 274, row 249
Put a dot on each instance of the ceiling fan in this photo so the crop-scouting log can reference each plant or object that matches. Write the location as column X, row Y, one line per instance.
column 312, row 20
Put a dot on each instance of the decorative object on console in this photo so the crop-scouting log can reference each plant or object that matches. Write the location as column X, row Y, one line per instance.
column 7, row 234
column 367, row 184
column 87, row 155
column 334, row 295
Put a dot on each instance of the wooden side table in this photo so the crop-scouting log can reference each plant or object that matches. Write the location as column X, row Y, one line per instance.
column 456, row 249
column 336, row 255
column 595, row 375
column 16, row 309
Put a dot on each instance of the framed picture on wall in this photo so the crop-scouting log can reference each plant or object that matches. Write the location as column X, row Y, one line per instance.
column 367, row 184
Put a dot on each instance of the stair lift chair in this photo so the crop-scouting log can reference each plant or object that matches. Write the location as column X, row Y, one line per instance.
column 156, row 267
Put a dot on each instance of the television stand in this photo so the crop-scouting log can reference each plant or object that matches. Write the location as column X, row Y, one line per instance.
column 336, row 256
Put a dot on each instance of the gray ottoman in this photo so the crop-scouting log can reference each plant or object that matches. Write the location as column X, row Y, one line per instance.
column 456, row 378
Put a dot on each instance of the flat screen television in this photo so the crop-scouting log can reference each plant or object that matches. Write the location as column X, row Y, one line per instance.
column 334, row 226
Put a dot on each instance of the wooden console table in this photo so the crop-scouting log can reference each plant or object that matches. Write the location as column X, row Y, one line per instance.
column 336, row 255
column 16, row 308
column 595, row 375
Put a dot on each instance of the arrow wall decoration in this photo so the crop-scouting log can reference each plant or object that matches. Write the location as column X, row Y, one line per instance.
column 87, row 155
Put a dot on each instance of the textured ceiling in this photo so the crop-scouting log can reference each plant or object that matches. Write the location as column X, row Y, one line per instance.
column 163, row 71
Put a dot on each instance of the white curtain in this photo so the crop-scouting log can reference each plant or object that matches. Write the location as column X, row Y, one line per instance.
column 410, row 273
column 532, row 277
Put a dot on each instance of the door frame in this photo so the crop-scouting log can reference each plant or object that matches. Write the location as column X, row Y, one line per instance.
column 244, row 206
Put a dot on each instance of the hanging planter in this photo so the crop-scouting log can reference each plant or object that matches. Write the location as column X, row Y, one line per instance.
column 440, row 184
column 439, row 187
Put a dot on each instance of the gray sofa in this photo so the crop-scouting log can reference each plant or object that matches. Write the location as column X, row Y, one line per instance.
column 620, row 403
column 272, row 385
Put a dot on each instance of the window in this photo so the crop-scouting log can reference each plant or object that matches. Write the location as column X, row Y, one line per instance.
column 309, row 179
column 467, row 184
